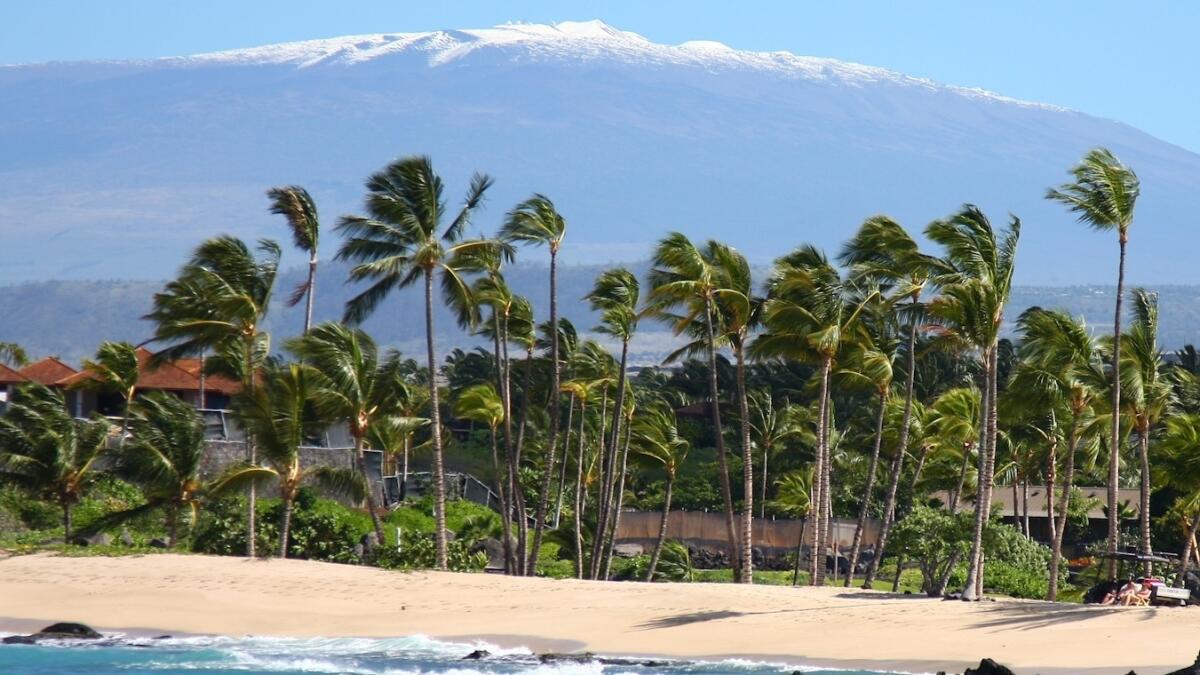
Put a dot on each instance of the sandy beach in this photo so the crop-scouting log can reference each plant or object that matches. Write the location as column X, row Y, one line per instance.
column 834, row 627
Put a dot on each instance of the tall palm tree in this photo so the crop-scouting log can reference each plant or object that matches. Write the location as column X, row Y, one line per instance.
column 1148, row 395
column 351, row 383
column 974, row 293
column 882, row 252
column 402, row 240
column 281, row 414
column 294, row 203
column 656, row 441
column 616, row 296
column 683, row 283
column 536, row 221
column 115, row 369
column 872, row 367
column 1103, row 195
column 954, row 423
column 582, row 391
column 812, row 314
column 48, row 453
column 219, row 301
column 1062, row 352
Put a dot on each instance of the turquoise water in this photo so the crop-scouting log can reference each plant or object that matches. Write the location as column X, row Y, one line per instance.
column 405, row 656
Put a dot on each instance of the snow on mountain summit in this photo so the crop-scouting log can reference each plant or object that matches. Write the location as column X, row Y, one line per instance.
column 592, row 42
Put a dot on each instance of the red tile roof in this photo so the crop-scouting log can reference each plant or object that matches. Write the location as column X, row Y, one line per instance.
column 10, row 376
column 47, row 371
column 180, row 375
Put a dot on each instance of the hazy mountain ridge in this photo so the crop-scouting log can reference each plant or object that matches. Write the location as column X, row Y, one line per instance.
column 117, row 169
column 70, row 318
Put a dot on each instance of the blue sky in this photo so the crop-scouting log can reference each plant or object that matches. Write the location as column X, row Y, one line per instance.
column 1137, row 62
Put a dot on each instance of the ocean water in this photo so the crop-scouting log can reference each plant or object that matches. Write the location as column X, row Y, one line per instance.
column 400, row 656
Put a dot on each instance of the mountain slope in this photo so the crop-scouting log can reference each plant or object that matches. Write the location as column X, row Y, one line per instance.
column 119, row 168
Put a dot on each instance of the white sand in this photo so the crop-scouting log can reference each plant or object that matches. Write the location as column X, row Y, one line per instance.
column 233, row 596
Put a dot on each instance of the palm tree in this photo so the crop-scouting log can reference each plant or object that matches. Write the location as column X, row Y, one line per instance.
column 115, row 369
column 683, row 282
column 294, row 203
column 46, row 452
column 12, row 354
column 1103, row 195
column 1062, row 353
column 402, row 240
column 812, row 313
column 773, row 429
column 954, row 423
column 793, row 496
column 351, row 383
column 1180, row 448
column 882, row 252
column 616, row 296
column 581, row 390
column 535, row 221
column 164, row 456
column 872, row 367
column 482, row 403
column 975, row 291
column 656, row 441
column 282, row 414
column 219, row 301
column 1148, row 395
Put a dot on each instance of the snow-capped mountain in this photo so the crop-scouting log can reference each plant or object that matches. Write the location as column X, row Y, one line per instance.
column 116, row 169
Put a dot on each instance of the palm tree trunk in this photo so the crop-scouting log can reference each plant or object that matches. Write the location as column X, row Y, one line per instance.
column 597, row 535
column 799, row 551
column 820, row 541
column 870, row 487
column 1186, row 559
column 618, row 502
column 361, row 459
column 973, row 587
column 662, row 529
column 312, row 290
column 502, row 481
column 608, row 484
column 956, row 496
column 66, row 519
column 201, row 395
column 517, row 491
column 285, row 526
column 539, row 525
column 1065, row 504
column 719, row 438
column 251, row 449
column 747, row 469
column 1051, row 521
column 1017, row 507
column 562, row 476
column 1114, row 457
column 1144, row 501
column 501, row 495
column 762, row 501
column 580, row 498
column 172, row 526
column 435, row 417
column 1025, row 507
column 889, row 504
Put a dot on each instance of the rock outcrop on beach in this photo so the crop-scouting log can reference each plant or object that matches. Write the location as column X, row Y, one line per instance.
column 57, row 631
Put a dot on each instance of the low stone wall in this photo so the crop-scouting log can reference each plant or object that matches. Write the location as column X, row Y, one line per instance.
column 220, row 455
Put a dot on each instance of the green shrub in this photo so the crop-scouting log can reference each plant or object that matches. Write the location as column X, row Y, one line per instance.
column 418, row 550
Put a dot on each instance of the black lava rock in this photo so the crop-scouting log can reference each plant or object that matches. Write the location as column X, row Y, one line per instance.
column 57, row 631
column 1193, row 669
column 477, row 655
column 988, row 667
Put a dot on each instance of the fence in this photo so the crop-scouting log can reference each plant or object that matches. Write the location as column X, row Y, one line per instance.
column 708, row 529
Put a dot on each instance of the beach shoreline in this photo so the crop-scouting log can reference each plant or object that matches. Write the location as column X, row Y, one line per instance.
column 829, row 627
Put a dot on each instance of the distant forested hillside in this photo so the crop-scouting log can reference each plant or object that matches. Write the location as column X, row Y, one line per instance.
column 69, row 318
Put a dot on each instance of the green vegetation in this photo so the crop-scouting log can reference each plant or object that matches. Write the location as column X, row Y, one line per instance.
column 853, row 386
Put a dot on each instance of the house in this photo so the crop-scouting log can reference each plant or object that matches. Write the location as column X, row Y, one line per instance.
column 9, row 380
column 180, row 377
column 1013, row 507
